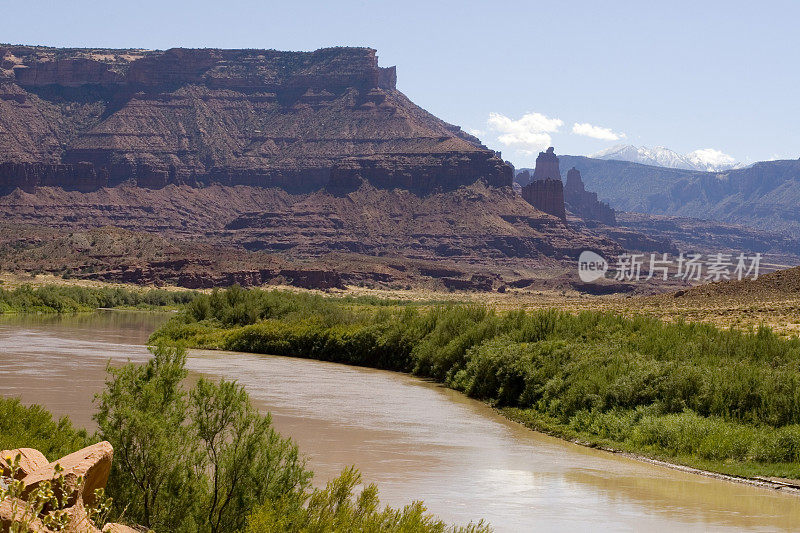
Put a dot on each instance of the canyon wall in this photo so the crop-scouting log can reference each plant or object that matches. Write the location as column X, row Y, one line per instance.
column 83, row 119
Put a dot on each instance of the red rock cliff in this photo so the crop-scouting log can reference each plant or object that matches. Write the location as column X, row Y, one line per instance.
column 87, row 118
column 546, row 195
column 547, row 166
column 546, row 192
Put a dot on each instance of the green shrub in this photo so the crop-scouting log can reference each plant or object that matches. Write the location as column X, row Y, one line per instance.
column 680, row 388
column 197, row 460
column 337, row 509
column 67, row 299
column 34, row 427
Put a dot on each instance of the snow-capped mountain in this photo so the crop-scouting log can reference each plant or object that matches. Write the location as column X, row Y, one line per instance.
column 707, row 159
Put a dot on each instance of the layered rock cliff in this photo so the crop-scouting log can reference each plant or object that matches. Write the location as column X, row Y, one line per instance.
column 210, row 167
column 546, row 195
column 546, row 192
column 84, row 119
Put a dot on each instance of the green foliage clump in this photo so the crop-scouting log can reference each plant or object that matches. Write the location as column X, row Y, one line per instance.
column 34, row 427
column 636, row 382
column 70, row 299
column 195, row 460
column 336, row 509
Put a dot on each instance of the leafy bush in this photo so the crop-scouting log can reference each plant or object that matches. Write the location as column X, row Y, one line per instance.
column 195, row 460
column 595, row 373
column 336, row 509
column 66, row 299
column 34, row 427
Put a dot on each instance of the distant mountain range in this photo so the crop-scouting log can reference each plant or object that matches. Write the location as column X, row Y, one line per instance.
column 764, row 195
column 707, row 160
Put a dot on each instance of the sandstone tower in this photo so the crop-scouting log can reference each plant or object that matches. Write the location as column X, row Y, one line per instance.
column 546, row 192
column 584, row 203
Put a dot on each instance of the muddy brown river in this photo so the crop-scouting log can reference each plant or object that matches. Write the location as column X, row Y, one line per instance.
column 414, row 439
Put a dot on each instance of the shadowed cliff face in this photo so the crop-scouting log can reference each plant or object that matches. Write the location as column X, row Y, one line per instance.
column 584, row 203
column 84, row 119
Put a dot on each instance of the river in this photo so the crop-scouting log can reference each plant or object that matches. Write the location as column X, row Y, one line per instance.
column 415, row 439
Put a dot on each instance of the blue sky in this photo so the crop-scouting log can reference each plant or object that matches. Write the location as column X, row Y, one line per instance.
column 685, row 75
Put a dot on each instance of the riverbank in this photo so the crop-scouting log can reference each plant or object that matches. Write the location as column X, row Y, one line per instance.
column 49, row 299
column 717, row 400
column 717, row 449
column 414, row 438
column 742, row 305
column 701, row 468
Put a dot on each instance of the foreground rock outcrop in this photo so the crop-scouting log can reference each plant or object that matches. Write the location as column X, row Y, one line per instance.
column 30, row 461
column 83, row 119
column 79, row 473
column 84, row 471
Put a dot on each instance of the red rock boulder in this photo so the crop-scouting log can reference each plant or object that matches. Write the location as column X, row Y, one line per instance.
column 93, row 464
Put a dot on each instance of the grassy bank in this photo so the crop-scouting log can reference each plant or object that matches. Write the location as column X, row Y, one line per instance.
column 723, row 400
column 74, row 299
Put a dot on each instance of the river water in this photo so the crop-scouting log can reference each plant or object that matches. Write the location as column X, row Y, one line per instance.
column 416, row 440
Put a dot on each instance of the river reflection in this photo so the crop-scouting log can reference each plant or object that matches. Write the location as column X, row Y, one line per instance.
column 415, row 439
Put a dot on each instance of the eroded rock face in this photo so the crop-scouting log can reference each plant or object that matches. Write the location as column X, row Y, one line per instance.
column 584, row 203
column 545, row 191
column 93, row 464
column 547, row 166
column 84, row 119
column 546, row 195
column 85, row 471
column 30, row 460
column 217, row 236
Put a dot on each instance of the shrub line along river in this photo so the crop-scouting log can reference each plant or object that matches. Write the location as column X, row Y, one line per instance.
column 415, row 439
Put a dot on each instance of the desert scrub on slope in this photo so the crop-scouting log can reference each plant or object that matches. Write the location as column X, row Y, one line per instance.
column 722, row 399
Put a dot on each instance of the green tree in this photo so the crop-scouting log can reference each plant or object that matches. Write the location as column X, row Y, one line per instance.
column 143, row 414
column 196, row 460
column 246, row 461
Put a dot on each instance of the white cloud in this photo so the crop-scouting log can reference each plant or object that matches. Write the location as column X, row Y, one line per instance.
column 529, row 134
column 596, row 132
column 475, row 132
column 711, row 159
